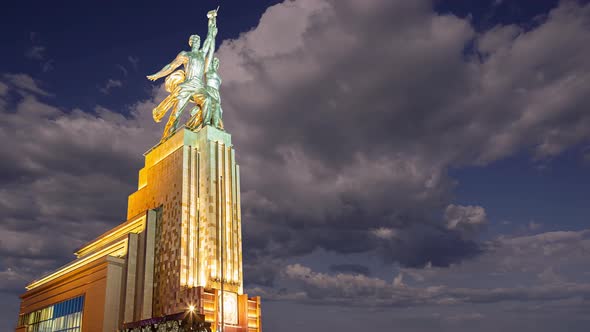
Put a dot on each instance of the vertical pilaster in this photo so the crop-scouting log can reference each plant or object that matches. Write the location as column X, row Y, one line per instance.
column 133, row 242
column 239, row 220
column 148, row 283
column 185, row 216
column 114, row 280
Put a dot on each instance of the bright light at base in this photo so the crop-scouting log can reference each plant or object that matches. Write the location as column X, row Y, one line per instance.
column 191, row 308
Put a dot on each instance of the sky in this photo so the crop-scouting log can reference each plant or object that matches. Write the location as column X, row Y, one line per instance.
column 406, row 165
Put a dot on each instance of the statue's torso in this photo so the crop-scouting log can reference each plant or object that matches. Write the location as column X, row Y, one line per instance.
column 213, row 80
column 195, row 65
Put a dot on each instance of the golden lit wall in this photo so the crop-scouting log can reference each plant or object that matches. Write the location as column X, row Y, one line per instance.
column 193, row 176
column 94, row 280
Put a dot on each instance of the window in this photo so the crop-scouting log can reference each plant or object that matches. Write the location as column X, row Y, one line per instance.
column 64, row 316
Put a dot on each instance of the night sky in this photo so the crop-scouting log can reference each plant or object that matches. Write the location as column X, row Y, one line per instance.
column 406, row 165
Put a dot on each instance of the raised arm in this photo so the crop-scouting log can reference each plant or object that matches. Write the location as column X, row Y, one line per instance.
column 211, row 33
column 209, row 43
column 169, row 68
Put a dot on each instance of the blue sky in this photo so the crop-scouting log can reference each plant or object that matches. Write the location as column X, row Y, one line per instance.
column 405, row 165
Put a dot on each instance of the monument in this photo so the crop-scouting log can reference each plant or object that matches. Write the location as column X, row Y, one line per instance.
column 175, row 264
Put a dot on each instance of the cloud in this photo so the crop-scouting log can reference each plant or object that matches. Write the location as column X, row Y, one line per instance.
column 465, row 316
column 319, row 285
column 468, row 220
column 3, row 89
column 35, row 53
column 585, row 157
column 384, row 233
column 350, row 268
column 64, row 177
column 123, row 70
column 399, row 281
column 11, row 280
column 357, row 110
column 23, row 84
column 47, row 66
column 346, row 117
column 358, row 290
column 533, row 226
column 134, row 61
column 110, row 84
column 447, row 286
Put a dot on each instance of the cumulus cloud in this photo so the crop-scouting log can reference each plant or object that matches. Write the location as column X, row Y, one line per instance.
column 357, row 110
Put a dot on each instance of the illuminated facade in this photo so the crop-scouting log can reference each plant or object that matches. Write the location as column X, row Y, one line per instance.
column 180, row 248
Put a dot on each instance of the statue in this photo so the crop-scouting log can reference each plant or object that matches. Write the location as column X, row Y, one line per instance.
column 197, row 83
column 213, row 111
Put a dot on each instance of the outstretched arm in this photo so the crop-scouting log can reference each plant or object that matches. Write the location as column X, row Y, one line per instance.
column 169, row 68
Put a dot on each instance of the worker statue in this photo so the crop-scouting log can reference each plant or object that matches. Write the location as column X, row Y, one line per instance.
column 198, row 83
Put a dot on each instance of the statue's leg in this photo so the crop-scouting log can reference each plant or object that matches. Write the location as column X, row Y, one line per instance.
column 207, row 109
column 197, row 113
column 182, row 102
column 172, row 123
column 216, row 116
column 196, row 118
column 168, row 130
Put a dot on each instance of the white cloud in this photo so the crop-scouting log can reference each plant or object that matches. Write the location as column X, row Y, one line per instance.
column 384, row 233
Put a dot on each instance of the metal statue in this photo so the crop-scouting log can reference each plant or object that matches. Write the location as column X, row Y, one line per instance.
column 197, row 83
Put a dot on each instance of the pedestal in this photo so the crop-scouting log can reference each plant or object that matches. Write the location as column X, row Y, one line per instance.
column 193, row 180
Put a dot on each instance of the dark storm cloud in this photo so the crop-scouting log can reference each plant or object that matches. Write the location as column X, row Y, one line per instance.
column 356, row 109
column 468, row 283
column 65, row 176
column 351, row 268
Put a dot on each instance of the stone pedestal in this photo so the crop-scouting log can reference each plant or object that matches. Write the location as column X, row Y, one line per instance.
column 193, row 180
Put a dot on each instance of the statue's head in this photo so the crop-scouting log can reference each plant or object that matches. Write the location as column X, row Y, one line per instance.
column 194, row 41
column 215, row 63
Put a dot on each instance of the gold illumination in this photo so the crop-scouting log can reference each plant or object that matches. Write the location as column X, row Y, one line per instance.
column 230, row 308
column 117, row 249
column 136, row 225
